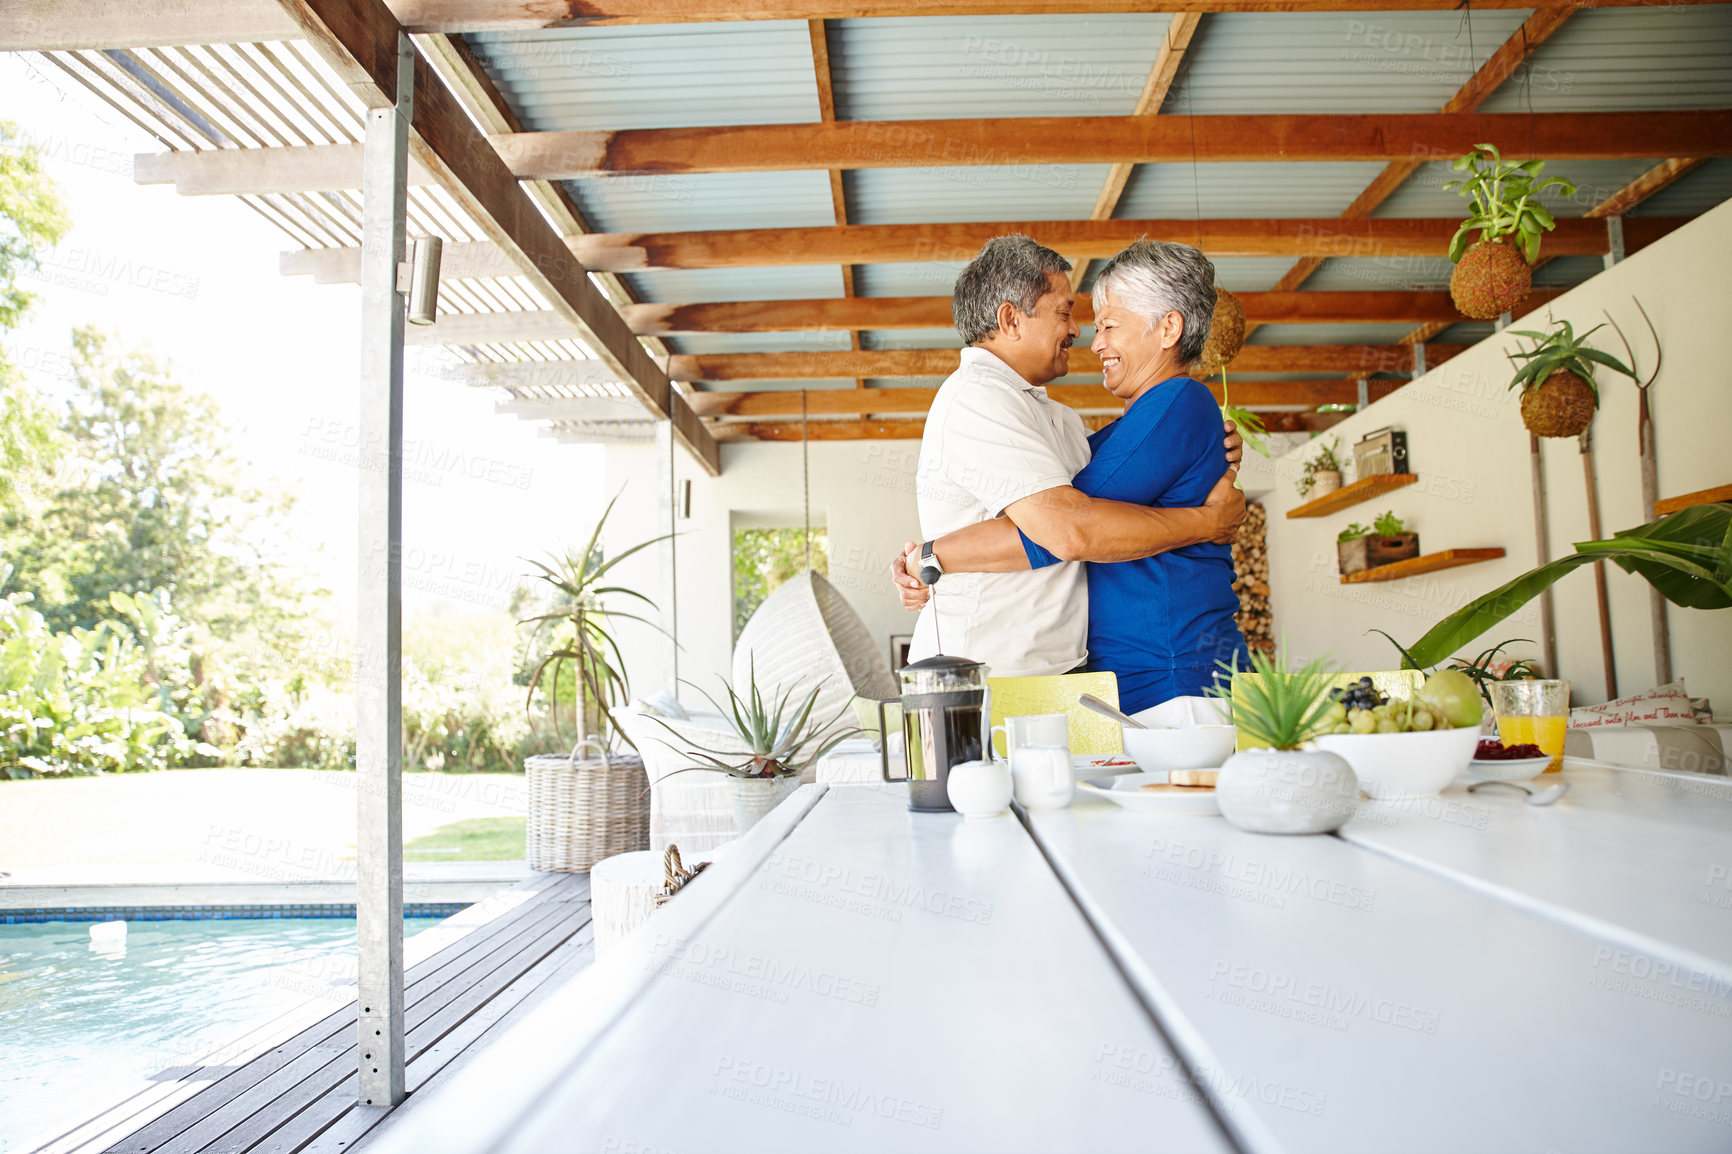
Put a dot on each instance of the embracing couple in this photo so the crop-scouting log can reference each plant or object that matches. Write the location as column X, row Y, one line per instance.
column 1014, row 495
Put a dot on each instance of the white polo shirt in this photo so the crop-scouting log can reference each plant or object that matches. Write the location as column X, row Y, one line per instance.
column 992, row 439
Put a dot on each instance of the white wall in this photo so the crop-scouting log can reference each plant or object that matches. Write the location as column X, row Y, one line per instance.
column 862, row 493
column 1470, row 449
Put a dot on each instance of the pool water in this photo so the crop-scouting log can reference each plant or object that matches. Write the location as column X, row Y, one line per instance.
column 82, row 1025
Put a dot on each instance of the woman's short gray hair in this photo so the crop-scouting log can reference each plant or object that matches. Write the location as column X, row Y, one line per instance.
column 1009, row 268
column 1154, row 277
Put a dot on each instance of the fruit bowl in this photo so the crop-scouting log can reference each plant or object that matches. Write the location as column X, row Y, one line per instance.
column 1398, row 765
column 1181, row 747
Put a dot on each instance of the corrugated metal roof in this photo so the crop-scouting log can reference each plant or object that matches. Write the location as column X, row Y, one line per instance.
column 775, row 283
column 910, row 279
column 1627, row 60
column 1348, row 334
column 1423, row 194
column 1243, row 190
column 1366, row 274
column 936, row 67
column 1344, row 62
column 804, row 341
column 705, row 200
column 1693, row 193
column 655, row 76
column 920, row 195
column 912, row 339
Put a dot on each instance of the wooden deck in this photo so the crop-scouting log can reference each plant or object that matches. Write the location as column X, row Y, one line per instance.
column 299, row 1094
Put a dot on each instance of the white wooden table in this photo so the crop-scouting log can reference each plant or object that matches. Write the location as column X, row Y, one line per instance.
column 855, row 977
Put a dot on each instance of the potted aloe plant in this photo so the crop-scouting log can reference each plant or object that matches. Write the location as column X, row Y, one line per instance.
column 1556, row 379
column 781, row 740
column 592, row 803
column 1276, row 786
column 1495, row 273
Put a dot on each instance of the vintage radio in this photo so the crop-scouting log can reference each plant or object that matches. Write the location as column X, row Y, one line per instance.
column 1381, row 451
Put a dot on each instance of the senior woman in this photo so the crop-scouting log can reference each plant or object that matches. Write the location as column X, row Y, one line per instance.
column 1160, row 623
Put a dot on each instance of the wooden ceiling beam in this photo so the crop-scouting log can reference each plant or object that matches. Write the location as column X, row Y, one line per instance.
column 910, row 429
column 901, row 313
column 503, row 15
column 359, row 38
column 1165, row 70
column 827, row 365
column 256, row 171
column 55, row 25
column 460, row 260
column 1095, row 398
column 1001, row 141
column 819, row 33
column 1381, row 238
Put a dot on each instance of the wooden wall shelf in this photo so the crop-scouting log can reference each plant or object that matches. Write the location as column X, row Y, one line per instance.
column 1429, row 563
column 1349, row 495
column 1701, row 497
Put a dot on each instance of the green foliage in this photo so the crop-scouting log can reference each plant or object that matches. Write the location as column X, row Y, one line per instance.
column 1353, row 532
column 1388, row 524
column 473, row 839
column 1505, row 200
column 1558, row 349
column 577, row 637
column 1687, row 556
column 1251, row 426
column 85, row 701
column 781, row 735
column 1480, row 670
column 765, row 558
column 1327, row 460
column 1277, row 706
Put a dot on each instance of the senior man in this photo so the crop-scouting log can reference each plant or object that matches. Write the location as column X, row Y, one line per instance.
column 996, row 445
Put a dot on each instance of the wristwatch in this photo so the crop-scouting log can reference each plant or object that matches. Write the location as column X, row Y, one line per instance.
column 930, row 569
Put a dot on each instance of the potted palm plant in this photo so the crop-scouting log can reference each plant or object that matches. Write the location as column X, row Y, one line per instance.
column 1276, row 786
column 1495, row 273
column 593, row 803
column 1556, row 379
column 781, row 740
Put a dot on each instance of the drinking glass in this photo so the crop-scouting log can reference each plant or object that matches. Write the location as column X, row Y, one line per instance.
column 1533, row 713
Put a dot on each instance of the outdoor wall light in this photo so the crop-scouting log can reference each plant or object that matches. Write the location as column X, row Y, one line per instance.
column 424, row 280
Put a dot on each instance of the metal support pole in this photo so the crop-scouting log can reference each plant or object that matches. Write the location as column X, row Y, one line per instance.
column 1586, row 444
column 378, row 632
column 1364, row 392
column 667, row 509
column 1418, row 360
column 1614, row 240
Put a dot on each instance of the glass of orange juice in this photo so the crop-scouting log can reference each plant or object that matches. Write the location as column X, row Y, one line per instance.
column 1533, row 713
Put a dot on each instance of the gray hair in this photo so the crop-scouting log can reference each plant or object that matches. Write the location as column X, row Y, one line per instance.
column 1010, row 269
column 1154, row 277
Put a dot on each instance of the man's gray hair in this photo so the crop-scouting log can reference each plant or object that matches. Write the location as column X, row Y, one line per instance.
column 1154, row 277
column 1009, row 268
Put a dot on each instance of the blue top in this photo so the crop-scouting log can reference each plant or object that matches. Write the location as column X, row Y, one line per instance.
column 1162, row 622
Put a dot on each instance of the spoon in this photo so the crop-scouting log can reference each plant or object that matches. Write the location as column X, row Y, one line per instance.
column 1544, row 796
column 1090, row 701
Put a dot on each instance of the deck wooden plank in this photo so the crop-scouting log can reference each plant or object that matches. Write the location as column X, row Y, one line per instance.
column 246, row 1118
column 315, row 1117
column 280, row 1065
column 459, row 1047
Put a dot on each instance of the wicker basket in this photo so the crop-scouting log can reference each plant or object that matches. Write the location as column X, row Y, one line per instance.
column 584, row 810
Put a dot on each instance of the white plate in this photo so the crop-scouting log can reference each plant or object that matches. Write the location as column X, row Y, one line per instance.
column 1522, row 769
column 1128, row 792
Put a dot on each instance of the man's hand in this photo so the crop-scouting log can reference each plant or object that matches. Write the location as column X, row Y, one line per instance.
column 1227, row 504
column 914, row 595
column 1235, row 450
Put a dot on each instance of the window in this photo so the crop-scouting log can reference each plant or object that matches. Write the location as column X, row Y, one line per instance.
column 764, row 558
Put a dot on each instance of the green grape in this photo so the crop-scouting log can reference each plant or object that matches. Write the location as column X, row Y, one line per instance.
column 1363, row 721
column 1337, row 714
column 1388, row 725
column 1342, row 728
column 1422, row 720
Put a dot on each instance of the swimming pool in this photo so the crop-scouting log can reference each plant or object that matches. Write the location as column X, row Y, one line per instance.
column 82, row 1025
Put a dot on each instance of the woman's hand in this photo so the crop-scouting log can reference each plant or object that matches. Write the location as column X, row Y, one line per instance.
column 914, row 595
column 1235, row 446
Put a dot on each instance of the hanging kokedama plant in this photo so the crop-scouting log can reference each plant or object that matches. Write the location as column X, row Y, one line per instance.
column 1226, row 334
column 1495, row 273
column 1556, row 379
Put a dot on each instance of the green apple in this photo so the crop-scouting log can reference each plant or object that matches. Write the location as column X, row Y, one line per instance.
column 1452, row 698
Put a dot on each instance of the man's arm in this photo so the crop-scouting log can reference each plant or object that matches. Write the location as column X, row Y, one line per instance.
column 1073, row 526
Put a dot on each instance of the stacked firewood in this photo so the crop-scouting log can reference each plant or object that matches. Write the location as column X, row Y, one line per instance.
column 1251, row 580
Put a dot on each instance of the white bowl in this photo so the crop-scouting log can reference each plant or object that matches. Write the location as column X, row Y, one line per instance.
column 1394, row 765
column 1127, row 790
column 1181, row 747
column 1517, row 769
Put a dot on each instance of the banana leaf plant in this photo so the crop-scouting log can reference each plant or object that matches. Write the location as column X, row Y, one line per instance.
column 578, row 636
column 1686, row 555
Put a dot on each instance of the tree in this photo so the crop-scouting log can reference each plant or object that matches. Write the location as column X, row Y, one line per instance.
column 32, row 221
column 151, row 498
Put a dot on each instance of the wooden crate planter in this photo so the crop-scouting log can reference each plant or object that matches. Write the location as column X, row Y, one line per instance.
column 1369, row 552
